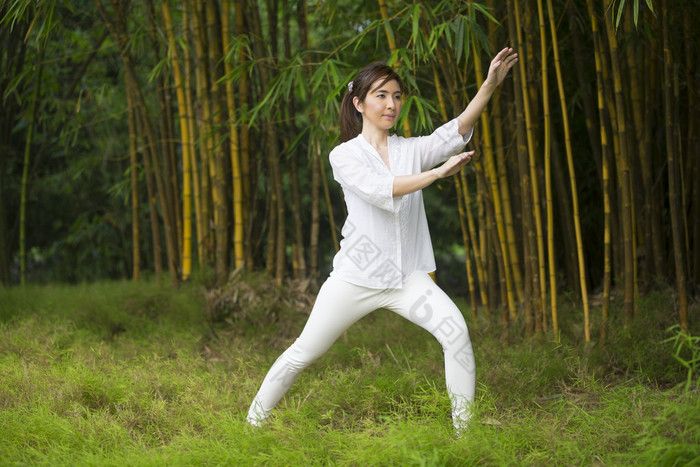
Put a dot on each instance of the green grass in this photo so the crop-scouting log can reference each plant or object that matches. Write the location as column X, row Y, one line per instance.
column 133, row 374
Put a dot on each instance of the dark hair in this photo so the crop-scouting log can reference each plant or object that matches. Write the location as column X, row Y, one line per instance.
column 350, row 118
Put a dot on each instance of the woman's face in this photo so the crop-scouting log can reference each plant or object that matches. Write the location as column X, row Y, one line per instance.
column 381, row 106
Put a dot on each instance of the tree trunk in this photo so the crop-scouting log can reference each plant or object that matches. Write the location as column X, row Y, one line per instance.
column 25, row 169
column 624, row 176
column 572, row 175
column 478, row 257
column 186, row 268
column 244, row 143
column 217, row 166
column 135, row 202
column 12, row 59
column 548, row 166
column 277, row 232
column 166, row 164
column 673, row 164
column 539, row 270
column 150, row 189
column 117, row 26
column 492, row 180
column 237, row 176
column 522, row 139
column 315, row 147
column 203, row 114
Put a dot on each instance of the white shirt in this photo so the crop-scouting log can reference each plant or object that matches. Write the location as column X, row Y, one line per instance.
column 386, row 238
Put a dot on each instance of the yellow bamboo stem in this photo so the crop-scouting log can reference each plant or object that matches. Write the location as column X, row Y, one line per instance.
column 539, row 272
column 495, row 194
column 605, row 169
column 480, row 270
column 238, row 224
column 572, row 174
column 392, row 47
column 185, row 135
column 548, row 170
column 624, row 174
column 460, row 202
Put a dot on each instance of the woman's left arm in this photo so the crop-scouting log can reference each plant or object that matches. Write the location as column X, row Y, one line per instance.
column 500, row 65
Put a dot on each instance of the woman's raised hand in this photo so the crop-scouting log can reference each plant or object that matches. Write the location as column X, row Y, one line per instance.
column 500, row 65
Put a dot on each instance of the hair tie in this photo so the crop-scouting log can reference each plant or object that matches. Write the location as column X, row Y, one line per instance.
column 350, row 86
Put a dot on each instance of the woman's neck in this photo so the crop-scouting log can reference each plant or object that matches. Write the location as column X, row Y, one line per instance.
column 375, row 137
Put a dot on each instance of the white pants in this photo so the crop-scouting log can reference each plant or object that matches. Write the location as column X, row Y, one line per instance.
column 340, row 304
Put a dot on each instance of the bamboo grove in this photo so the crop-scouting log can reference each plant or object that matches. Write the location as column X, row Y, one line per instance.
column 586, row 175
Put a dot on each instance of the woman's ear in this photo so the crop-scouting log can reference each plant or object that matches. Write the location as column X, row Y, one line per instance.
column 356, row 102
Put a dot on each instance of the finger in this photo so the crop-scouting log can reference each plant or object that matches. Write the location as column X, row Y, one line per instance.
column 464, row 161
column 500, row 56
column 465, row 156
column 505, row 52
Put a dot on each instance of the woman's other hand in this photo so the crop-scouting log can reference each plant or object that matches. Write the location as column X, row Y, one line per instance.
column 454, row 164
column 501, row 65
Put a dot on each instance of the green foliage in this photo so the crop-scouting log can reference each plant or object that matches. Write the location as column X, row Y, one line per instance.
column 131, row 373
column 617, row 7
column 687, row 351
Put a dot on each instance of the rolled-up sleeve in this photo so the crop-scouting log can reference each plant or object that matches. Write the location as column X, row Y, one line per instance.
column 357, row 177
column 441, row 144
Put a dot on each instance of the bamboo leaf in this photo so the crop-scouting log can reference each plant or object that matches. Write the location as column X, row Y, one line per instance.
column 416, row 22
column 389, row 30
column 158, row 69
column 636, row 12
column 619, row 13
column 340, row 87
column 459, row 40
column 485, row 12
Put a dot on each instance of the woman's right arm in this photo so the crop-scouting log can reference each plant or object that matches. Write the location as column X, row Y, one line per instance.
column 498, row 70
column 406, row 184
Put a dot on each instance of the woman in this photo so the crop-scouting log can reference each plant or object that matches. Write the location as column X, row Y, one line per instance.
column 386, row 255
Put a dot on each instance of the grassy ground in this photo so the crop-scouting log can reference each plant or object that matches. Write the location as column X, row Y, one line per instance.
column 132, row 374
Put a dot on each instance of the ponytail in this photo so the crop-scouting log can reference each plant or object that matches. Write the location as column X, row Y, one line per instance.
column 350, row 118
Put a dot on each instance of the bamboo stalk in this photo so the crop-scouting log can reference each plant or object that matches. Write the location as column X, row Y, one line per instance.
column 163, row 150
column 135, row 203
column 392, row 47
column 494, row 190
column 480, row 270
column 211, row 24
column 572, row 175
column 185, row 135
column 671, row 157
column 204, row 126
column 529, row 246
column 116, row 24
column 315, row 148
column 29, row 138
column 244, row 138
column 200, row 221
column 548, row 168
column 539, row 270
column 238, row 221
column 624, row 175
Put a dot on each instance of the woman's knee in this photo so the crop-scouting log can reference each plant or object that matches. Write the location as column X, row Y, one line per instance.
column 300, row 355
column 451, row 330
